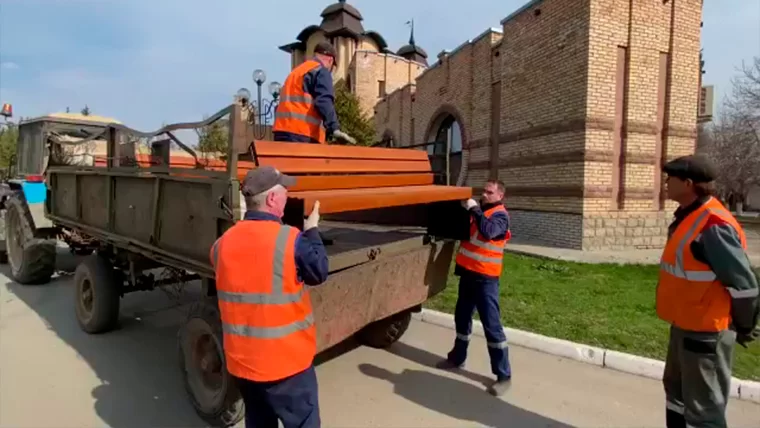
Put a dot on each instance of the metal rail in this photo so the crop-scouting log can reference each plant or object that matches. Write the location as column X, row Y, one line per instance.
column 140, row 134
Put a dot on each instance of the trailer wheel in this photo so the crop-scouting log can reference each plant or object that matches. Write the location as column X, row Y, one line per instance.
column 212, row 390
column 97, row 295
column 385, row 332
column 32, row 259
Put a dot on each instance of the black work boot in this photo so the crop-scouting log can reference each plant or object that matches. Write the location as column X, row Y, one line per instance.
column 445, row 364
column 499, row 387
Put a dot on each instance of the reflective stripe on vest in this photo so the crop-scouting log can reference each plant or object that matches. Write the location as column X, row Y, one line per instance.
column 275, row 297
column 297, row 116
column 296, row 112
column 266, row 312
column 677, row 269
column 477, row 254
column 688, row 292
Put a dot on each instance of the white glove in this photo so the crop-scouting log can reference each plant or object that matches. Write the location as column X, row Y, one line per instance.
column 470, row 204
column 340, row 135
column 313, row 220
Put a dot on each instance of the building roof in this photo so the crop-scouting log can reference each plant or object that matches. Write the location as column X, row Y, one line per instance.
column 74, row 118
column 342, row 19
column 85, row 118
column 338, row 19
column 382, row 45
column 341, row 7
column 411, row 51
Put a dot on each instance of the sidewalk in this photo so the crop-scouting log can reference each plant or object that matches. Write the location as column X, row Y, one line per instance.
column 622, row 257
column 578, row 256
column 744, row 390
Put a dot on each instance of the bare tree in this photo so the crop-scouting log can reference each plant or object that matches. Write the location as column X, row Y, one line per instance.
column 733, row 141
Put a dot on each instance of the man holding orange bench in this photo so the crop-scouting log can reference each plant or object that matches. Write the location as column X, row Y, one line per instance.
column 306, row 112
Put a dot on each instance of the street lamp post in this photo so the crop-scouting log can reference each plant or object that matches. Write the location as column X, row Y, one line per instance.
column 264, row 108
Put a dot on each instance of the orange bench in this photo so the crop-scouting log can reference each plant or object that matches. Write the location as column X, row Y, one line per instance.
column 342, row 178
column 349, row 178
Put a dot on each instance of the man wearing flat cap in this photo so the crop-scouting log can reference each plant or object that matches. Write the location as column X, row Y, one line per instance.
column 708, row 293
column 306, row 111
column 262, row 267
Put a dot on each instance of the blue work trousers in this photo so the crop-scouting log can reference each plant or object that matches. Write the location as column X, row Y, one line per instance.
column 293, row 400
column 483, row 294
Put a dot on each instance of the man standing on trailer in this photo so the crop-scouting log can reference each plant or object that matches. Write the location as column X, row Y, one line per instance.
column 707, row 292
column 307, row 102
column 262, row 267
column 478, row 264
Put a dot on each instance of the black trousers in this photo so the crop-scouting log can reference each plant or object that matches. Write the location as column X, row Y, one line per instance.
column 294, row 401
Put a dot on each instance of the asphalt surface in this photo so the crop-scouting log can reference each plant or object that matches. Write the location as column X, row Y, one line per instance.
column 54, row 375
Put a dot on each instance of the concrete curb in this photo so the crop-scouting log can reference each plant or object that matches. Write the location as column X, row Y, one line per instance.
column 742, row 389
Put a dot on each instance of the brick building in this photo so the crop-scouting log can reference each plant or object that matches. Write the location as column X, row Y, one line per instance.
column 574, row 104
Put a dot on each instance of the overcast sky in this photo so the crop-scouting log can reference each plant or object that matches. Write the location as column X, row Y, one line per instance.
column 151, row 62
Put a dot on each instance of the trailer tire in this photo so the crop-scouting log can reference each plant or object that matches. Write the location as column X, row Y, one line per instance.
column 97, row 295
column 385, row 332
column 211, row 389
column 31, row 258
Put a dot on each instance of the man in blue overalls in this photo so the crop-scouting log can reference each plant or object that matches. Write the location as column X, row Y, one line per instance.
column 478, row 265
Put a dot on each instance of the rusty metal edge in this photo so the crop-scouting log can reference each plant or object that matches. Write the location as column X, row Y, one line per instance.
column 166, row 174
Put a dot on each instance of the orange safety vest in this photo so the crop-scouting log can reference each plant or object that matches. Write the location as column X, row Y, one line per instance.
column 296, row 112
column 266, row 312
column 479, row 254
column 688, row 294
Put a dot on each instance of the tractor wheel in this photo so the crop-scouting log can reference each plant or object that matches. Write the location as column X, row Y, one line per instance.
column 3, row 250
column 32, row 259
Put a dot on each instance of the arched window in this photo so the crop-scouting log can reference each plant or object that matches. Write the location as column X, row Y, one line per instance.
column 448, row 131
column 447, row 134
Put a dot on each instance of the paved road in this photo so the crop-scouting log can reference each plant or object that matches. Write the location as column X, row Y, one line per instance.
column 53, row 375
column 753, row 243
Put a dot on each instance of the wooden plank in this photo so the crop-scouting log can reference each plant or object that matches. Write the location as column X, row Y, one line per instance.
column 324, row 182
column 317, row 182
column 335, row 201
column 303, row 165
column 317, row 165
column 307, row 150
column 290, row 165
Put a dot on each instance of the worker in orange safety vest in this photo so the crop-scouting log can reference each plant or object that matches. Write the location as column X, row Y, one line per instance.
column 306, row 109
column 478, row 264
column 708, row 294
column 262, row 267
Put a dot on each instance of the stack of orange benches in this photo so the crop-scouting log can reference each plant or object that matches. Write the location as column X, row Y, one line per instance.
column 342, row 178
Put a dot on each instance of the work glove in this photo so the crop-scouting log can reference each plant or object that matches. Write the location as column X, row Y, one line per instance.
column 744, row 338
column 340, row 135
column 469, row 204
column 313, row 220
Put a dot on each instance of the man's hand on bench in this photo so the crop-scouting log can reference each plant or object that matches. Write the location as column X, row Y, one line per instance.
column 313, row 220
column 340, row 135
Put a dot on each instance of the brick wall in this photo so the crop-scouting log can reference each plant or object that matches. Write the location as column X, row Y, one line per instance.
column 544, row 54
column 369, row 68
column 394, row 114
column 642, row 100
column 575, row 105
